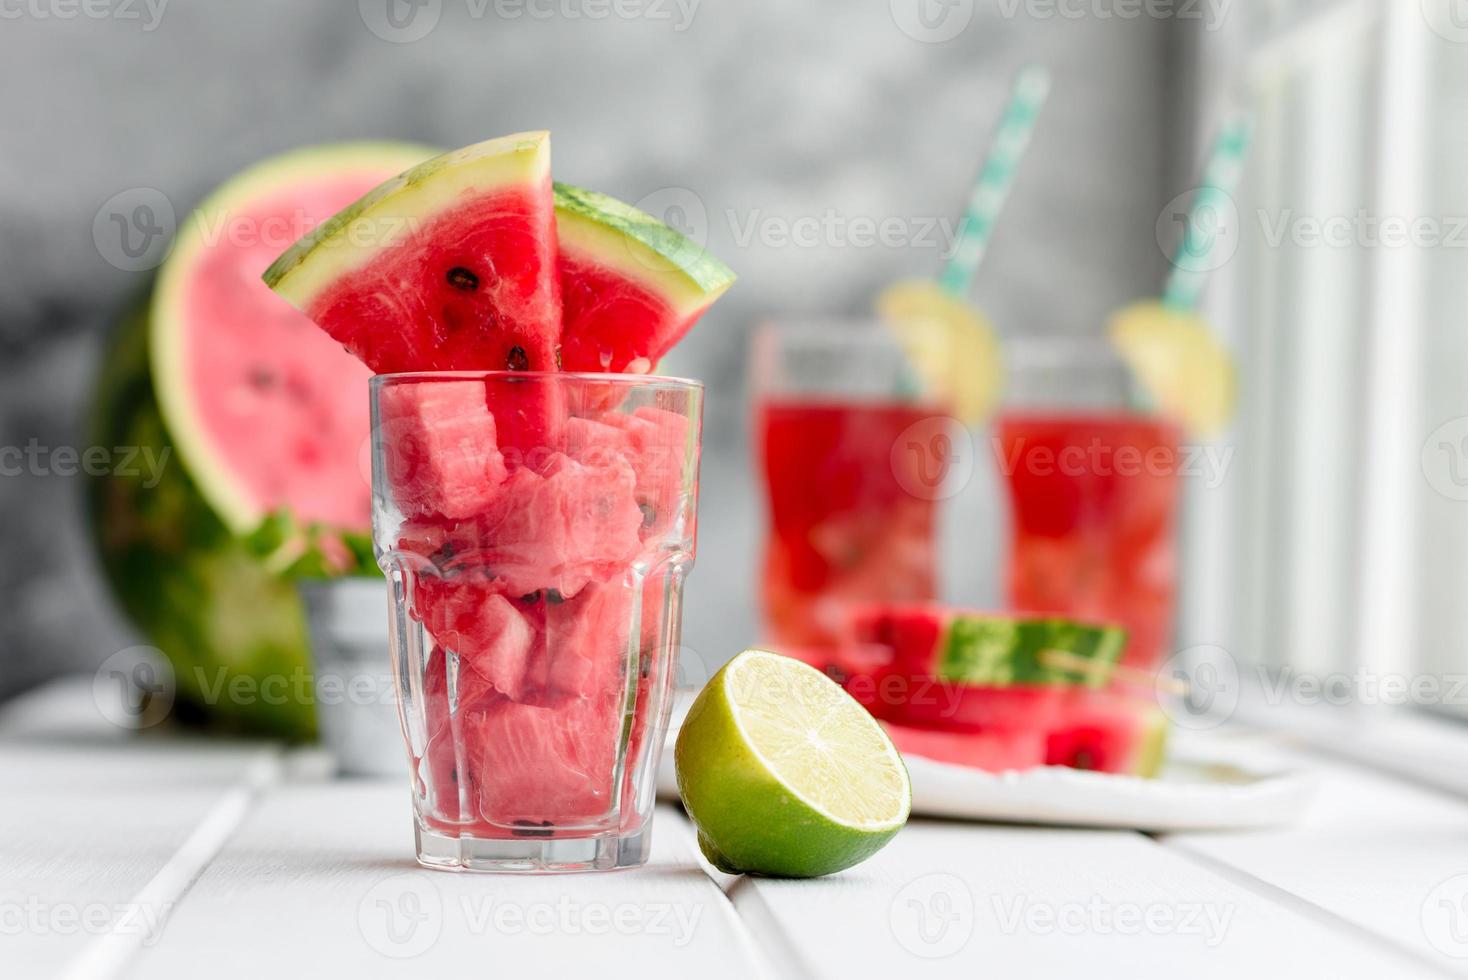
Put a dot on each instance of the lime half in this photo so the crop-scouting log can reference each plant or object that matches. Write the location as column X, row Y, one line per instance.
column 785, row 774
column 1180, row 362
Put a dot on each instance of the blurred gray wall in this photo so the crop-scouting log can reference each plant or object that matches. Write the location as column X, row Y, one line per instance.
column 767, row 111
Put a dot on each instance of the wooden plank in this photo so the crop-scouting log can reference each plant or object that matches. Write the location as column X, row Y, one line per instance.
column 97, row 845
column 320, row 881
column 1385, row 856
column 952, row 899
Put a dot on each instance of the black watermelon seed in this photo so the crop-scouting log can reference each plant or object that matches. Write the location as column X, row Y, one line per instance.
column 531, row 596
column 554, row 597
column 518, row 360
column 261, row 377
column 649, row 514
column 461, row 278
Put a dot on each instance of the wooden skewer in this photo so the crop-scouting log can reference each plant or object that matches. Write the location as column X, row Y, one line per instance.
column 1096, row 669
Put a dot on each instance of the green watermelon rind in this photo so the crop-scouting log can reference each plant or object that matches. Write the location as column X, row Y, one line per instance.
column 385, row 215
column 998, row 651
column 668, row 256
column 166, row 314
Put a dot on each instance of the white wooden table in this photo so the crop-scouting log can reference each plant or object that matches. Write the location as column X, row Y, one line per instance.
column 157, row 857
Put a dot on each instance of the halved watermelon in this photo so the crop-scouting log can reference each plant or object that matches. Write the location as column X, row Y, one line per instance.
column 449, row 266
column 631, row 287
column 254, row 411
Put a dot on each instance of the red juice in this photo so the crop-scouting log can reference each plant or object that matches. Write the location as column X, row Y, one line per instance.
column 843, row 528
column 1093, row 497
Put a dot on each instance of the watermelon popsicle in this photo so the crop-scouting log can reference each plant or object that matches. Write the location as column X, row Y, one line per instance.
column 535, row 524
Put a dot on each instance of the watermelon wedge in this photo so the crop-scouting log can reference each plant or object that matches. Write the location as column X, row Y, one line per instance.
column 631, row 287
column 255, row 411
column 448, row 266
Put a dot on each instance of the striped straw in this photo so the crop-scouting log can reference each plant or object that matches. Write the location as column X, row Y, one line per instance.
column 1190, row 263
column 1026, row 97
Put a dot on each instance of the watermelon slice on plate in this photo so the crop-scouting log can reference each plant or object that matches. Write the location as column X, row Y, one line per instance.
column 448, row 266
column 631, row 287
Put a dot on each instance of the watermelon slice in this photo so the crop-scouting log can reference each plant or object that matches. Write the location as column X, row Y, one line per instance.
column 254, row 411
column 1108, row 732
column 996, row 750
column 449, row 266
column 961, row 647
column 631, row 286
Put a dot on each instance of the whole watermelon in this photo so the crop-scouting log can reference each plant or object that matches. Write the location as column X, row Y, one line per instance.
column 241, row 428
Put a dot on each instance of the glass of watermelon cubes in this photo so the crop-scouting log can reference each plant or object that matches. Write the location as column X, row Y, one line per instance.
column 1093, row 491
column 536, row 529
column 851, row 516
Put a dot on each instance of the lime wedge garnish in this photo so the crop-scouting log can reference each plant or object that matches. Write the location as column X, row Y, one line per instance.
column 784, row 773
column 953, row 345
column 1180, row 363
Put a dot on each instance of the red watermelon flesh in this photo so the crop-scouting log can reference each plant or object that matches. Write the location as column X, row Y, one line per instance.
column 443, row 457
column 548, row 767
column 655, row 443
column 588, row 642
column 265, row 384
column 613, row 324
column 472, row 289
column 488, row 632
column 1102, row 731
column 997, row 750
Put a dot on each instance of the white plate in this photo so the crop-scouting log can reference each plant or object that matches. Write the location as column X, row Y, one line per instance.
column 1212, row 781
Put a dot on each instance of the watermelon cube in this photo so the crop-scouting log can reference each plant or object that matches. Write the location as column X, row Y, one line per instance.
column 441, row 454
column 543, row 769
column 472, row 617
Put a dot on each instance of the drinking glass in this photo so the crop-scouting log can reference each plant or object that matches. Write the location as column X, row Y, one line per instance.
column 852, row 508
column 535, row 531
column 1093, row 493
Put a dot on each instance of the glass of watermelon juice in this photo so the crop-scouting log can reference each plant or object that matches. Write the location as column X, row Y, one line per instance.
column 1093, row 493
column 535, row 530
column 851, row 516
